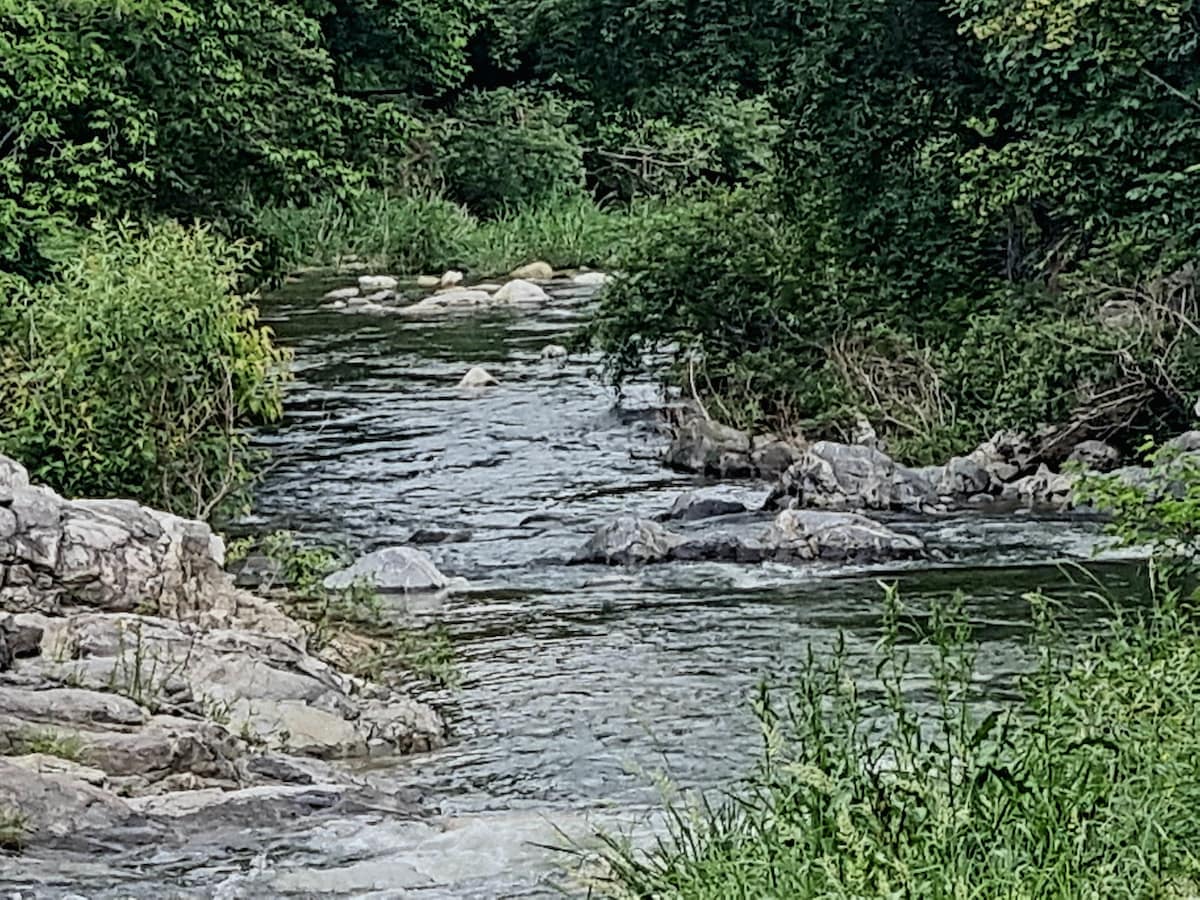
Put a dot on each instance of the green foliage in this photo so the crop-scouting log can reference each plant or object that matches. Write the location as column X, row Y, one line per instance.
column 55, row 743
column 393, row 233
column 716, row 279
column 1161, row 512
column 137, row 370
column 157, row 106
column 14, row 829
column 411, row 235
column 505, row 149
column 719, row 139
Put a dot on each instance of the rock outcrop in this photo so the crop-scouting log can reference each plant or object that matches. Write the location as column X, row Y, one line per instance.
column 130, row 666
column 710, row 448
column 794, row 536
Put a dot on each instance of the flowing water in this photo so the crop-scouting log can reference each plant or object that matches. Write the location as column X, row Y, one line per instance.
column 581, row 685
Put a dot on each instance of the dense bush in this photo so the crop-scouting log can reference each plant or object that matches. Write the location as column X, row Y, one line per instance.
column 505, row 149
column 720, row 139
column 135, row 372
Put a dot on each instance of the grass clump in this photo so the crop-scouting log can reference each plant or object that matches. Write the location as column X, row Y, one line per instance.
column 14, row 829
column 56, row 743
column 411, row 234
column 908, row 785
column 1088, row 788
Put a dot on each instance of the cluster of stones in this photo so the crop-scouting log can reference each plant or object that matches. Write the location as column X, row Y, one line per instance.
column 137, row 681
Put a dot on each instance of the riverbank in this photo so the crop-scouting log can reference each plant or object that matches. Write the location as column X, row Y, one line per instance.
column 142, row 694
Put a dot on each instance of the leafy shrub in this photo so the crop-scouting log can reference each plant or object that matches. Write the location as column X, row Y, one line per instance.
column 722, row 139
column 506, row 149
column 716, row 283
column 135, row 372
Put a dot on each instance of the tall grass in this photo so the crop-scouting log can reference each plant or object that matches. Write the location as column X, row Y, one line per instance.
column 406, row 234
column 1088, row 788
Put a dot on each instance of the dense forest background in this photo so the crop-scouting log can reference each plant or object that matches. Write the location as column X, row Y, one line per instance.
column 950, row 217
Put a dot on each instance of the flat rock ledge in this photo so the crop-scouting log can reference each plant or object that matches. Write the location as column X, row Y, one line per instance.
column 138, row 684
column 794, row 536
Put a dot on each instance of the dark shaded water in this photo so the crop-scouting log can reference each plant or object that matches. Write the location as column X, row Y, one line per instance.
column 579, row 683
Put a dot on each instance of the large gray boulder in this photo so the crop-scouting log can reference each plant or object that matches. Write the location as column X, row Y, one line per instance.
column 710, row 448
column 61, row 808
column 837, row 536
column 963, row 477
column 392, row 569
column 1095, row 456
column 629, row 541
column 1044, row 490
column 1006, row 456
column 831, row 475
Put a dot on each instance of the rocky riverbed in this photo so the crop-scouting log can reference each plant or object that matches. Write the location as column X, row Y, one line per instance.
column 612, row 616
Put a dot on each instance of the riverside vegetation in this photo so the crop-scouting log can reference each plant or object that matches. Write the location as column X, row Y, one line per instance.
column 949, row 217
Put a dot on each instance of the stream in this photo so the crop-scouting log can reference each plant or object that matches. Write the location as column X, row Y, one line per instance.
column 581, row 686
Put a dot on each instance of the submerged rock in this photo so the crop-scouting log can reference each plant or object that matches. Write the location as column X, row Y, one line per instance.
column 696, row 505
column 478, row 377
column 534, row 271
column 629, row 541
column 372, row 283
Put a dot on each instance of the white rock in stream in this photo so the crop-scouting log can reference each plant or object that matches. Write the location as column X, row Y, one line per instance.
column 591, row 279
column 554, row 351
column 373, row 283
column 402, row 569
column 341, row 293
column 428, row 281
column 519, row 291
column 478, row 377
column 452, row 278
